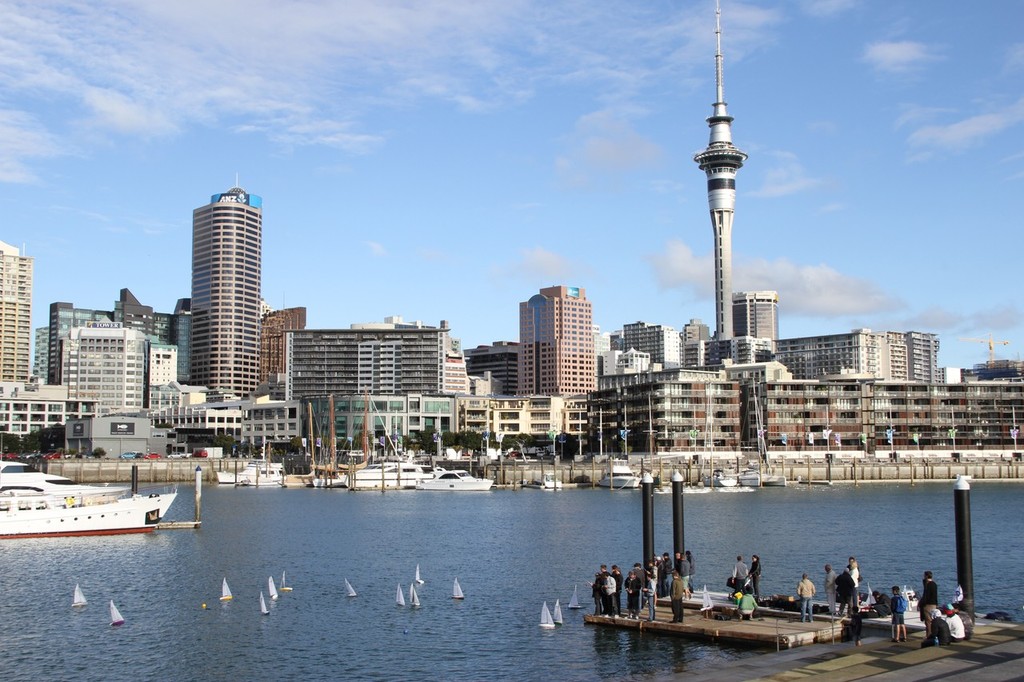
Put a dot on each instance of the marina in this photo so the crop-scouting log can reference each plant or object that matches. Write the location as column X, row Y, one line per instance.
column 375, row 542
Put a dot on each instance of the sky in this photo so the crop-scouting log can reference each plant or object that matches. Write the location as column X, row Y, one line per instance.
column 444, row 160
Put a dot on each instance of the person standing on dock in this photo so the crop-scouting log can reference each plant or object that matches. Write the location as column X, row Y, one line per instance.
column 899, row 605
column 634, row 586
column 617, row 598
column 693, row 566
column 651, row 592
column 664, row 575
column 678, row 592
column 805, row 590
column 929, row 601
column 846, row 591
column 755, row 575
column 598, row 593
column 739, row 574
column 607, row 592
column 683, row 567
column 830, row 589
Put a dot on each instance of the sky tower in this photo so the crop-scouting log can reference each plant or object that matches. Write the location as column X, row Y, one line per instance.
column 720, row 161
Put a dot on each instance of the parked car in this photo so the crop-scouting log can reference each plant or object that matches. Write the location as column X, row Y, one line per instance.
column 10, row 456
column 177, row 455
column 131, row 455
column 151, row 455
column 52, row 455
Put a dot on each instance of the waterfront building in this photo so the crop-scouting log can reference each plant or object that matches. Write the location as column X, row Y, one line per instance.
column 266, row 421
column 720, row 161
column 556, row 354
column 361, row 421
column 661, row 343
column 501, row 359
column 15, row 314
column 106, row 363
column 41, row 354
column 756, row 313
column 922, row 357
column 272, row 346
column 393, row 357
column 115, row 434
column 182, row 337
column 674, row 410
column 28, row 407
column 196, row 421
column 534, row 416
column 227, row 247
column 629, row 361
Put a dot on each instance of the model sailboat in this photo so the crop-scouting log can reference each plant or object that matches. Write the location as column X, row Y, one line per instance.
column 399, row 597
column 350, row 591
column 79, row 599
column 263, row 605
column 574, row 600
column 546, row 621
column 557, row 616
column 225, row 591
column 115, row 615
column 705, row 601
column 284, row 587
column 457, row 590
column 418, row 581
column 414, row 599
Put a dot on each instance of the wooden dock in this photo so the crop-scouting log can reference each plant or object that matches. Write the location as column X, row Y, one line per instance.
column 178, row 525
column 768, row 628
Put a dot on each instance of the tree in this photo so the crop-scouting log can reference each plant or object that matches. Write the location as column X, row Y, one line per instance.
column 99, row 452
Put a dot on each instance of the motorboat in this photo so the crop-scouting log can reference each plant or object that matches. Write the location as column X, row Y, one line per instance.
column 21, row 477
column 720, row 479
column 324, row 479
column 752, row 478
column 103, row 511
column 454, row 480
column 257, row 473
column 619, row 476
column 390, row 476
column 547, row 482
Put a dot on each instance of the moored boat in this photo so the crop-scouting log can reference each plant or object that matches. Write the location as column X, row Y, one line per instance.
column 390, row 476
column 258, row 473
column 454, row 480
column 547, row 482
column 619, row 476
column 720, row 479
column 104, row 511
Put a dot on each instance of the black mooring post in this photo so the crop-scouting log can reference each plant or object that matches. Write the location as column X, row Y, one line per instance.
column 135, row 479
column 647, row 495
column 964, row 553
column 678, row 535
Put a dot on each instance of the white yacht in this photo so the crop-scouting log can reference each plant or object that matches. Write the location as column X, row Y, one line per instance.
column 619, row 476
column 455, row 479
column 547, row 482
column 257, row 473
column 390, row 476
column 18, row 477
column 720, row 479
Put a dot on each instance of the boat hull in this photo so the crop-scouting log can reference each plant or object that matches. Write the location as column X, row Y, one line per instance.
column 50, row 516
column 624, row 482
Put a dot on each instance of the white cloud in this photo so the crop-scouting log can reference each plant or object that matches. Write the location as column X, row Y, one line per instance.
column 827, row 8
column 806, row 290
column 786, row 177
column 970, row 131
column 539, row 264
column 22, row 140
column 376, row 248
column 603, row 146
column 1015, row 57
column 901, row 56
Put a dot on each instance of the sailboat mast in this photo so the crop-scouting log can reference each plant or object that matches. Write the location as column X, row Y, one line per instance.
column 311, row 443
column 333, row 435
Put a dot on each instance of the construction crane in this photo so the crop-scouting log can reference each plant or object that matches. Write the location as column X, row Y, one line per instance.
column 991, row 346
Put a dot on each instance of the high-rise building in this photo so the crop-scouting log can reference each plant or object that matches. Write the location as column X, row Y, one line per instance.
column 227, row 247
column 755, row 313
column 181, row 336
column 272, row 328
column 720, row 161
column 662, row 343
column 105, row 363
column 694, row 336
column 556, row 343
column 501, row 359
column 15, row 314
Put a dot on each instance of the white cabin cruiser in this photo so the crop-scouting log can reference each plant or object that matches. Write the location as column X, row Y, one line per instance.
column 22, row 478
column 455, row 479
column 720, row 479
column 107, row 511
column 390, row 476
column 619, row 476
column 257, row 473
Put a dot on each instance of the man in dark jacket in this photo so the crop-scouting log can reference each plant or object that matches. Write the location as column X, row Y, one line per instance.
column 929, row 601
column 846, row 592
column 617, row 598
column 882, row 606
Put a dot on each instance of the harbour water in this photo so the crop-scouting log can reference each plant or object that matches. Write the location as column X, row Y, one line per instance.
column 511, row 550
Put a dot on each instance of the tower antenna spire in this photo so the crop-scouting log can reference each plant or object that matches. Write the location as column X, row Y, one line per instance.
column 719, row 87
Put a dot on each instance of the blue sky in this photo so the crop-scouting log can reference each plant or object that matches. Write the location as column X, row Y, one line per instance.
column 445, row 160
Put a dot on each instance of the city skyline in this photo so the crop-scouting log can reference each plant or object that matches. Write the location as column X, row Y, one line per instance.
column 443, row 161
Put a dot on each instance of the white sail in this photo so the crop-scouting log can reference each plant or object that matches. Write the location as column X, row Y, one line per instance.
column 115, row 615
column 574, row 600
column 400, row 598
column 705, row 600
column 263, row 604
column 271, row 588
column 284, row 585
column 418, row 581
column 557, row 616
column 414, row 599
column 545, row 617
column 351, row 591
column 225, row 591
column 871, row 596
column 79, row 599
column 457, row 590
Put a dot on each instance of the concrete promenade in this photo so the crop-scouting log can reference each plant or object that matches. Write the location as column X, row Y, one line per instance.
column 996, row 652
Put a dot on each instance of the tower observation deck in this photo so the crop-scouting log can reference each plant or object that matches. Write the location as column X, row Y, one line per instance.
column 720, row 160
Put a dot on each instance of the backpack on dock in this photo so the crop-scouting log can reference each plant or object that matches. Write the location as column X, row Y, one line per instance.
column 899, row 603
